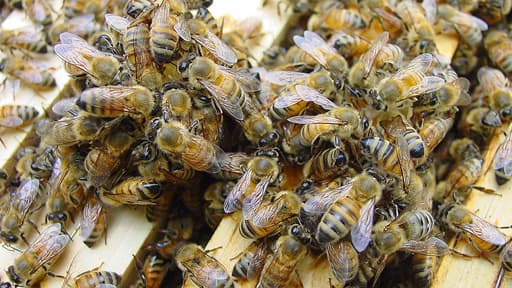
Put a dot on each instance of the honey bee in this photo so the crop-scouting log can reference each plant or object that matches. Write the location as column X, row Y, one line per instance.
column 23, row 39
column 336, row 18
column 17, row 115
column 251, row 262
column 388, row 19
column 482, row 235
column 496, row 87
column 29, row 73
column 390, row 239
column 262, row 170
column 316, row 47
column 279, row 270
column 163, row 38
column 434, row 130
column 198, row 30
column 343, row 260
column 32, row 265
column 349, row 45
column 327, row 164
column 293, row 100
column 465, row 59
column 40, row 12
column 132, row 191
column 114, row 101
column 499, row 47
column 467, row 26
column 207, row 121
column 259, row 130
column 241, row 37
column 232, row 165
column 273, row 57
column 101, row 166
column 153, row 272
column 83, row 26
column 502, row 163
column 393, row 159
column 80, row 57
column 193, row 150
column 93, row 223
column 493, row 11
column 71, row 131
column 134, row 8
column 424, row 267
column 379, row 55
column 268, row 218
column 331, row 207
column 338, row 123
column 214, row 196
column 24, row 200
column 73, row 8
column 228, row 89
column 409, row 81
column 479, row 122
column 418, row 21
column 453, row 93
column 204, row 270
column 67, row 192
column 95, row 278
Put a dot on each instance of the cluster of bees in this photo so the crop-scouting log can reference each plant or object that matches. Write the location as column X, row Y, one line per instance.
column 359, row 140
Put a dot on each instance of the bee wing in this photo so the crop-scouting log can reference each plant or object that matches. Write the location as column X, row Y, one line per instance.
column 319, row 203
column 90, row 215
column 490, row 79
column 421, row 64
column 127, row 199
column 25, row 196
column 309, row 94
column 190, row 156
column 63, row 106
column 404, row 159
column 468, row 20
column 48, row 245
column 182, row 29
column 341, row 256
column 369, row 57
column 267, row 215
column 317, row 40
column 361, row 232
column 11, row 121
column 116, row 96
column 310, row 48
column 503, row 157
column 245, row 79
column 117, row 23
column 253, row 201
column 71, row 38
column 258, row 261
column 484, row 230
column 463, row 85
column 316, row 119
column 29, row 74
column 233, row 162
column 427, row 85
column 282, row 77
column 217, row 47
column 232, row 202
column 430, row 7
column 224, row 101
column 77, row 55
column 432, row 246
column 287, row 99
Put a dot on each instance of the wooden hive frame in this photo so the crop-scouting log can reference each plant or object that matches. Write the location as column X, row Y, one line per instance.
column 129, row 232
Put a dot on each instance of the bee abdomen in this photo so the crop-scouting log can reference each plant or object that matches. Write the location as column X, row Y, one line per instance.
column 338, row 220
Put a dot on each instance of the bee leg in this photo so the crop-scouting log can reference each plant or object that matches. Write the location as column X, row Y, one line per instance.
column 22, row 236
column 33, row 226
column 140, row 269
column 486, row 190
column 3, row 143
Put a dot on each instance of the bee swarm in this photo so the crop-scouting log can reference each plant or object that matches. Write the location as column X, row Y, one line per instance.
column 333, row 140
